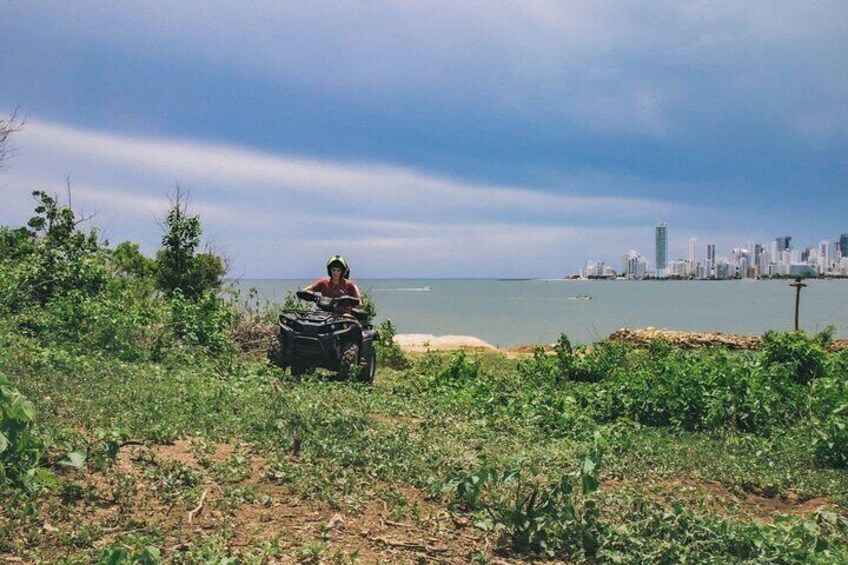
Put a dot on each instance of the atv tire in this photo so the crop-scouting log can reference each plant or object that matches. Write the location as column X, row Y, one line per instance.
column 297, row 369
column 369, row 368
column 348, row 362
column 275, row 353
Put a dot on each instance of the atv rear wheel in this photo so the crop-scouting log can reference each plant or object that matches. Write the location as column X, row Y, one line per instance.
column 350, row 356
column 275, row 353
column 297, row 369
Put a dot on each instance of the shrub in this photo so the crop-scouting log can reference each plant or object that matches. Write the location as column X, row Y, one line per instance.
column 459, row 371
column 533, row 515
column 203, row 321
column 21, row 448
column 802, row 357
column 50, row 259
column 389, row 353
column 831, row 441
column 830, row 420
column 577, row 364
column 178, row 266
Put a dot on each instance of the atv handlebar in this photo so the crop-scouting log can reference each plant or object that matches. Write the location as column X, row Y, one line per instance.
column 326, row 303
column 307, row 295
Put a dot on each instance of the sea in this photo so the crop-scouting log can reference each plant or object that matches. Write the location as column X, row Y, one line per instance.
column 509, row 312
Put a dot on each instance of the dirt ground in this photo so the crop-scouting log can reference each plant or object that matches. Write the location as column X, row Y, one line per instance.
column 364, row 528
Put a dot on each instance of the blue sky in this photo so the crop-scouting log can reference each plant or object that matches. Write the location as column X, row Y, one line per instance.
column 469, row 139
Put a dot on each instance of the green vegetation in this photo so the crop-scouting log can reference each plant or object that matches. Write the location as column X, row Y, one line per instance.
column 140, row 423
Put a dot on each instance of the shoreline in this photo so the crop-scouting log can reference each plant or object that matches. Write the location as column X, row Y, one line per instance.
column 421, row 343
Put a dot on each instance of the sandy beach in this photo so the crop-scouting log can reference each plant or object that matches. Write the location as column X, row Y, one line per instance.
column 419, row 343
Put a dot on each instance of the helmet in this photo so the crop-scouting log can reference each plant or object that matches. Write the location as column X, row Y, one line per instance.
column 338, row 259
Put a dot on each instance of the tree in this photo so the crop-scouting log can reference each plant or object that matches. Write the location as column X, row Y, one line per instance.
column 7, row 128
column 126, row 259
column 178, row 266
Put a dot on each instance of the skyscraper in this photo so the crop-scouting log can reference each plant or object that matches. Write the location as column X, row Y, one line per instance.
column 783, row 243
column 692, row 241
column 709, row 264
column 662, row 249
column 843, row 244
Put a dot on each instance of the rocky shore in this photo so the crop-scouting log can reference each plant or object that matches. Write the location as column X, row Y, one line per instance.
column 694, row 340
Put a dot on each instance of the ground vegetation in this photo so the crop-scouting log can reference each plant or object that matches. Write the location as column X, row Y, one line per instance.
column 139, row 423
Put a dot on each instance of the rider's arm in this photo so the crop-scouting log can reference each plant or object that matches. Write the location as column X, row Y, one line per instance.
column 314, row 285
column 353, row 290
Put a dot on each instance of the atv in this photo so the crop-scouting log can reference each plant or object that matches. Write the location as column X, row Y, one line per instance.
column 326, row 338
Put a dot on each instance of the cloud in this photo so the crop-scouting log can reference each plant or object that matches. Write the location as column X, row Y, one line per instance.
column 261, row 205
column 621, row 68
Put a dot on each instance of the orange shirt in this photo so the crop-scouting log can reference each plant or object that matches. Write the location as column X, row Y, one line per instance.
column 326, row 287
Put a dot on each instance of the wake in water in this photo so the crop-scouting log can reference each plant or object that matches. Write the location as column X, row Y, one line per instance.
column 406, row 289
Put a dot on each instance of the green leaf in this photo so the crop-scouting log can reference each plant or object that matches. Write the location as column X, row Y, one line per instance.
column 4, row 443
column 590, row 484
column 75, row 459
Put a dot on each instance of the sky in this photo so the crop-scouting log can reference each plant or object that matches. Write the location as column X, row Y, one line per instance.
column 432, row 139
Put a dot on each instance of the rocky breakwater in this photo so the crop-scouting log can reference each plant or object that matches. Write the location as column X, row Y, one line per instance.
column 694, row 340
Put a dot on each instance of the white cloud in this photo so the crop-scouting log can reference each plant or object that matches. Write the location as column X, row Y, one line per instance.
column 258, row 206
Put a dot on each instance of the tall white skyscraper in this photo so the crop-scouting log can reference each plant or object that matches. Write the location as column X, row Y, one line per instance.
column 691, row 257
column 662, row 249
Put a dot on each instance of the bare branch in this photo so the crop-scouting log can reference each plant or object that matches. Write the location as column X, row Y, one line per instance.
column 7, row 128
column 68, row 187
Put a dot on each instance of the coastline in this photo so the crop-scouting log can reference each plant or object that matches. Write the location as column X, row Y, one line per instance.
column 421, row 343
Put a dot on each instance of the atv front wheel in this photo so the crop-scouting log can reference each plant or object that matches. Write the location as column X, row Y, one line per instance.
column 369, row 368
column 350, row 356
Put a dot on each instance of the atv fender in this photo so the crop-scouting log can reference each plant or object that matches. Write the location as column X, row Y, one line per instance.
column 368, row 338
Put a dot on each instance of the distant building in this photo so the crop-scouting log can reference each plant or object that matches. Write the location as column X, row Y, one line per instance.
column 709, row 265
column 783, row 243
column 634, row 266
column 597, row 270
column 661, row 249
column 802, row 270
column 843, row 245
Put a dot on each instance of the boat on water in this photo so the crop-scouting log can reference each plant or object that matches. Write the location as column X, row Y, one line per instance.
column 581, row 297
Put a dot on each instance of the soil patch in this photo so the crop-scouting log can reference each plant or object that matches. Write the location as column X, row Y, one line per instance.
column 715, row 497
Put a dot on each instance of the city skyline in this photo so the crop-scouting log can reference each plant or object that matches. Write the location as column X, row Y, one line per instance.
column 755, row 260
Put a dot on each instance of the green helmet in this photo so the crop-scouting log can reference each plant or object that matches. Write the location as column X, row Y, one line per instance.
column 341, row 262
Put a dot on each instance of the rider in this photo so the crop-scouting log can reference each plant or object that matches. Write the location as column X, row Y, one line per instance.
column 337, row 283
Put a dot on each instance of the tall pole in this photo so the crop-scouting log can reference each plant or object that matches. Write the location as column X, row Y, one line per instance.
column 797, row 285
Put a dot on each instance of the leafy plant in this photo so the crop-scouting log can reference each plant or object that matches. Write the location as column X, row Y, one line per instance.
column 536, row 518
column 389, row 353
column 21, row 449
column 178, row 265
column 802, row 357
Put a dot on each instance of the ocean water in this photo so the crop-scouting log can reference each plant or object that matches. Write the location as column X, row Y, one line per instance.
column 512, row 312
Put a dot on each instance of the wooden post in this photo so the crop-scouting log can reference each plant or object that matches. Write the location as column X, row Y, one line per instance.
column 797, row 285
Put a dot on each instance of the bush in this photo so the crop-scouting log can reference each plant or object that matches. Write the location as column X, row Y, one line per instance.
column 21, row 448
column 831, row 441
column 203, row 321
column 830, row 420
column 50, row 259
column 389, row 353
column 178, row 266
column 532, row 515
column 802, row 357
column 578, row 364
